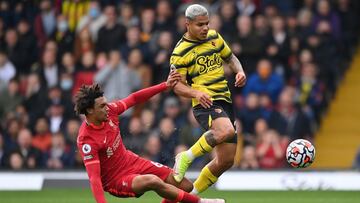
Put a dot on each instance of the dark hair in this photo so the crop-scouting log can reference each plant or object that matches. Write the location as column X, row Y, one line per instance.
column 85, row 97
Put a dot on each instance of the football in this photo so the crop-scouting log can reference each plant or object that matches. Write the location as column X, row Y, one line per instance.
column 300, row 153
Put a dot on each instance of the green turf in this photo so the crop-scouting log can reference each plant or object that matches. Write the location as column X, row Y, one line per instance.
column 84, row 196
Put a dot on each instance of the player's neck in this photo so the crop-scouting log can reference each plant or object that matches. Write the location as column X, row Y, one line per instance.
column 92, row 121
column 189, row 37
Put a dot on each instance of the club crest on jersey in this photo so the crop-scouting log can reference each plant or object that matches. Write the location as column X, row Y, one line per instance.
column 86, row 148
column 213, row 43
column 109, row 152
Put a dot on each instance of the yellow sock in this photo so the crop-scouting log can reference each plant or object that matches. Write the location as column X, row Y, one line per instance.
column 205, row 180
column 200, row 147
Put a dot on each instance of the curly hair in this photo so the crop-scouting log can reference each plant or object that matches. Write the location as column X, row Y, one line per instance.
column 85, row 97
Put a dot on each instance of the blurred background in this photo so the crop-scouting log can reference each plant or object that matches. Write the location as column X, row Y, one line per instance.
column 301, row 58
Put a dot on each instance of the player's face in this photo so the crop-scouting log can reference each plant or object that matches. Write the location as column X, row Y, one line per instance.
column 101, row 109
column 198, row 28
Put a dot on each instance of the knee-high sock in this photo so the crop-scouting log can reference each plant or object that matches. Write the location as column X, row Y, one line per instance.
column 204, row 181
column 200, row 147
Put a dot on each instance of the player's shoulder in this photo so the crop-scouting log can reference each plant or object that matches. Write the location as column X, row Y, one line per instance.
column 180, row 47
column 84, row 135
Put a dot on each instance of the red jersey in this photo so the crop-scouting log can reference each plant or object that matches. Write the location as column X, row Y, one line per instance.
column 103, row 144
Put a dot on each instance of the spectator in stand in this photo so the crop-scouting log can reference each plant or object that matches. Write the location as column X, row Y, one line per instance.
column 49, row 70
column 249, row 159
column 147, row 118
column 135, row 139
column 63, row 36
column 133, row 41
column 264, row 81
column 127, row 17
column 31, row 156
column 310, row 92
column 152, row 148
column 228, row 13
column 45, row 23
column 278, row 46
column 289, row 121
column 270, row 150
column 42, row 138
column 136, row 63
column 169, row 140
column 147, row 24
column 13, row 127
column 112, row 34
column 35, row 96
column 27, row 45
column 13, row 49
column 83, row 43
column 94, row 20
column 117, row 79
column 246, row 45
column 86, row 71
column 10, row 98
column 324, row 13
column 16, row 161
column 7, row 70
column 59, row 156
column 250, row 113
column 164, row 19
column 161, row 55
column 246, row 7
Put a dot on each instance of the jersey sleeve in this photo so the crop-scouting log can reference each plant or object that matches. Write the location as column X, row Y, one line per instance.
column 225, row 51
column 89, row 151
column 180, row 63
column 136, row 98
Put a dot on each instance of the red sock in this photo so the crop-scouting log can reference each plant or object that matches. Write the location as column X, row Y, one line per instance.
column 187, row 197
column 167, row 201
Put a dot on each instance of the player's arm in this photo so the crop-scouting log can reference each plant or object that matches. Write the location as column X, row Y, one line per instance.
column 93, row 170
column 236, row 67
column 182, row 89
column 145, row 94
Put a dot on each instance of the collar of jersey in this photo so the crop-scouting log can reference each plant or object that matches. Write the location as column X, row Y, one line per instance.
column 96, row 127
column 193, row 41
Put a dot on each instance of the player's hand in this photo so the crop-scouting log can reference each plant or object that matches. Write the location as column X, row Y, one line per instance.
column 240, row 79
column 204, row 99
column 173, row 78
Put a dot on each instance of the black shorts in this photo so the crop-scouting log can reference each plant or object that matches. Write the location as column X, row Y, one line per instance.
column 219, row 109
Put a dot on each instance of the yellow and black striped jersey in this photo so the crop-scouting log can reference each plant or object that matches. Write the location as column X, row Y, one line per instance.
column 202, row 64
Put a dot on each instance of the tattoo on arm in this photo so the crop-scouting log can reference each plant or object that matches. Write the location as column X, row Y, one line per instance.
column 210, row 138
column 235, row 64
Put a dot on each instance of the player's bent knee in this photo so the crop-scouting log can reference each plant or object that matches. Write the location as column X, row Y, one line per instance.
column 187, row 186
column 224, row 134
column 153, row 182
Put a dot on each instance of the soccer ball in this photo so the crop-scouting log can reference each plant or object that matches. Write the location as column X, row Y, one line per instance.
column 300, row 153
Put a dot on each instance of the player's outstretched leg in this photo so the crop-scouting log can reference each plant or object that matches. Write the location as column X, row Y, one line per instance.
column 184, row 159
column 143, row 183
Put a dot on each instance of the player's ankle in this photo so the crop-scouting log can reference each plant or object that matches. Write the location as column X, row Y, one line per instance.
column 190, row 155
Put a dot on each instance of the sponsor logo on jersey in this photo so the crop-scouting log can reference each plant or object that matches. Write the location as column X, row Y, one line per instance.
column 109, row 152
column 87, row 157
column 86, row 148
column 209, row 63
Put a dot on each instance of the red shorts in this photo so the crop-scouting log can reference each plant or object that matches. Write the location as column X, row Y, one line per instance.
column 122, row 186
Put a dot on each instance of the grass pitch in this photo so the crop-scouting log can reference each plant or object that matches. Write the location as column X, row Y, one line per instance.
column 85, row 196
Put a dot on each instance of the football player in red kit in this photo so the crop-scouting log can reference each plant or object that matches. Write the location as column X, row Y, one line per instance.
column 109, row 165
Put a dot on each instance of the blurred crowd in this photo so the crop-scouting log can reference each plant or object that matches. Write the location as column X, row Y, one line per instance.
column 294, row 53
